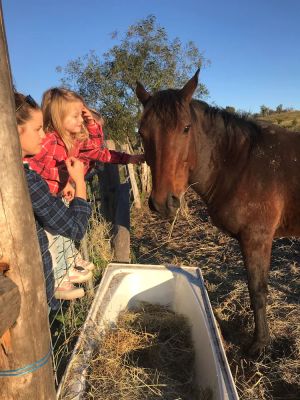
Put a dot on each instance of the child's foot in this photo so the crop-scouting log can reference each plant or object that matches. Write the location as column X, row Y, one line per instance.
column 67, row 291
column 80, row 262
column 78, row 274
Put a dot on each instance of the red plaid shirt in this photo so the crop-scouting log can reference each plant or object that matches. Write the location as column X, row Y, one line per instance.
column 50, row 162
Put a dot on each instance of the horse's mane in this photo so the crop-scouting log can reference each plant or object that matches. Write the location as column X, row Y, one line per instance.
column 230, row 119
column 234, row 133
column 166, row 103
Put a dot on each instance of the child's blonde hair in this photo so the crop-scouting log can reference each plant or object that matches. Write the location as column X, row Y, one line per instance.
column 55, row 106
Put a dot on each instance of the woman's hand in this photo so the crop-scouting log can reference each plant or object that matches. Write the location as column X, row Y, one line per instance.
column 76, row 169
column 136, row 158
column 68, row 192
column 87, row 116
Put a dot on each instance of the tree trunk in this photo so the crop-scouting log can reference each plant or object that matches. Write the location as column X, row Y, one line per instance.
column 29, row 337
column 10, row 303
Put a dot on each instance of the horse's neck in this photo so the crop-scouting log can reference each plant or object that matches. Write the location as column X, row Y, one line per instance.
column 220, row 156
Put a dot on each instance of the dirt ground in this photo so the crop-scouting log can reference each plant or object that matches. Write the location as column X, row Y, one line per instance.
column 192, row 240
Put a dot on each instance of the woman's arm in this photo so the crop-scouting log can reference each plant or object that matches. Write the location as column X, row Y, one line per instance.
column 53, row 214
column 76, row 172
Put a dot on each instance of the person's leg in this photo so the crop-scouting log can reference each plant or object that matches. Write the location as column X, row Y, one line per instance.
column 64, row 290
column 49, row 280
column 74, row 272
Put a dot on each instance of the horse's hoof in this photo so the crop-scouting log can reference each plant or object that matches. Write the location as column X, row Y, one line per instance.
column 257, row 348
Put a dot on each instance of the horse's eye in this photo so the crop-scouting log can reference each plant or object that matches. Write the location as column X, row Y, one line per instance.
column 186, row 128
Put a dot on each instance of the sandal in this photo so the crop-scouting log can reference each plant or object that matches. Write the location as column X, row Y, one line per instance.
column 78, row 274
column 80, row 262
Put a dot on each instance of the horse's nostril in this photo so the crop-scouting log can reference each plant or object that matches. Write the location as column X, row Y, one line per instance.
column 173, row 201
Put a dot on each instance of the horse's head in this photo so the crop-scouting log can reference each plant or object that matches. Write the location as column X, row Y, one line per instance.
column 167, row 132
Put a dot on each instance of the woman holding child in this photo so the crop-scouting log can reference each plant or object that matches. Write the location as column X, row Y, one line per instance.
column 49, row 211
column 71, row 131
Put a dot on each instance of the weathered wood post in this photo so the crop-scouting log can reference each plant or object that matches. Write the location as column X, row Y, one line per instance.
column 10, row 303
column 134, row 186
column 145, row 178
column 29, row 345
column 121, row 239
column 109, row 181
column 116, row 208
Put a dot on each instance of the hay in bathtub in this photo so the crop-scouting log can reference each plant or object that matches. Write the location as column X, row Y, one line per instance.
column 148, row 356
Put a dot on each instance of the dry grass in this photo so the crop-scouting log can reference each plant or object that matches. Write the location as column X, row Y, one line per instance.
column 147, row 356
column 289, row 120
column 68, row 320
column 195, row 241
column 99, row 237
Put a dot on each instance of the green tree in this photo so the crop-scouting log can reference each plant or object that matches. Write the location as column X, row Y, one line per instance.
column 145, row 53
column 279, row 108
column 264, row 110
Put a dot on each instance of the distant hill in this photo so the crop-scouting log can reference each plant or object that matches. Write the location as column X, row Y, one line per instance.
column 289, row 119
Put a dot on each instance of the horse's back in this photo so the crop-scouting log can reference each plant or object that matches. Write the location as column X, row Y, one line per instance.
column 267, row 193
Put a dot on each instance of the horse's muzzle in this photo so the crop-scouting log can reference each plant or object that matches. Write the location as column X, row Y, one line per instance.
column 167, row 209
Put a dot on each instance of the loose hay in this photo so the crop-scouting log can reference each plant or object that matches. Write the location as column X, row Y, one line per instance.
column 148, row 356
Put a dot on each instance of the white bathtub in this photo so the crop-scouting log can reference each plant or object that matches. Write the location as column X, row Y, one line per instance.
column 181, row 288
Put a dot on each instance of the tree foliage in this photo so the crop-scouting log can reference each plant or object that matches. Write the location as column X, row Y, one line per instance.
column 264, row 110
column 145, row 53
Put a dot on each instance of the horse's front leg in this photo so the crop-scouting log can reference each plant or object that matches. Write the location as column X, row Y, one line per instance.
column 256, row 248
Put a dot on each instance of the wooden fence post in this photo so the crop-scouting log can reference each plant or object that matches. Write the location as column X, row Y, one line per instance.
column 145, row 178
column 29, row 337
column 109, row 181
column 134, row 186
column 121, row 239
column 115, row 208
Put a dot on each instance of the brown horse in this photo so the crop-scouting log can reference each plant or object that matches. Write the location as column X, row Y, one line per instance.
column 247, row 174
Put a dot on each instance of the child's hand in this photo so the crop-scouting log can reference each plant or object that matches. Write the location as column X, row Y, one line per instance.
column 75, row 168
column 98, row 118
column 68, row 192
column 136, row 158
column 87, row 116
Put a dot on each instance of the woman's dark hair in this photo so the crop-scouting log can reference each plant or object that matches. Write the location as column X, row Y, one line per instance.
column 24, row 106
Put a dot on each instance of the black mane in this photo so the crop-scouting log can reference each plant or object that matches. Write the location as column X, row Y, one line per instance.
column 165, row 105
column 229, row 118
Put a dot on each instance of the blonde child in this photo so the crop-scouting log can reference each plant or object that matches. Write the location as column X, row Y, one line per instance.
column 71, row 130
column 49, row 211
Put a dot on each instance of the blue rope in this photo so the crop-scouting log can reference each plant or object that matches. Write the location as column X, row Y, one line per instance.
column 28, row 368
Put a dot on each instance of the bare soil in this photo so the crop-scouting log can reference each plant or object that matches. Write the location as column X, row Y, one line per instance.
column 193, row 240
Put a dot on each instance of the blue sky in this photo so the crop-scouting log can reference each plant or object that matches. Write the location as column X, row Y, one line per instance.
column 253, row 45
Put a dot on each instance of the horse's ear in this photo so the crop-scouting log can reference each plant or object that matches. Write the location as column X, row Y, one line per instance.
column 189, row 88
column 142, row 93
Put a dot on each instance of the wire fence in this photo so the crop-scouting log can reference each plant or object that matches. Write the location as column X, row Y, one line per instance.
column 70, row 288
